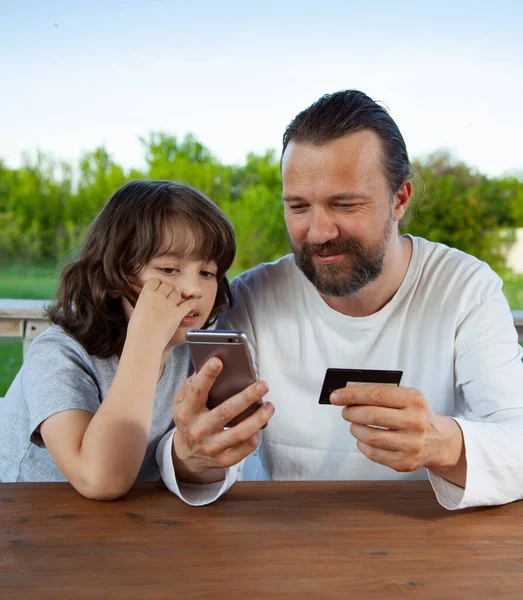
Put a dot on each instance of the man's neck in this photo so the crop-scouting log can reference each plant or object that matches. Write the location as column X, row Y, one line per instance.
column 381, row 291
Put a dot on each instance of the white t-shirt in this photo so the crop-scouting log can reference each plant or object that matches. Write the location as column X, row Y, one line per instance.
column 448, row 328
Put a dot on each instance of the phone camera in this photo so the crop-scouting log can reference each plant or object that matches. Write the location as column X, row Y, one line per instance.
column 230, row 340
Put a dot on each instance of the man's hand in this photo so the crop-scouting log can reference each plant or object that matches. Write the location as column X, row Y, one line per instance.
column 412, row 435
column 202, row 448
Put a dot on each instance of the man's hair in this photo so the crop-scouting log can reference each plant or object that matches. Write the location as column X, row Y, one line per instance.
column 349, row 111
column 141, row 220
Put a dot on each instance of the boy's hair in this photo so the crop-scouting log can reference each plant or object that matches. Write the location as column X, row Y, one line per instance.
column 140, row 221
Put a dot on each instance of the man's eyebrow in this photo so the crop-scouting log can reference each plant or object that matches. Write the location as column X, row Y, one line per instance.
column 344, row 196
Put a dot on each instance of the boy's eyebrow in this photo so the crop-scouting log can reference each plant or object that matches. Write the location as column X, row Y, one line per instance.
column 184, row 255
column 171, row 254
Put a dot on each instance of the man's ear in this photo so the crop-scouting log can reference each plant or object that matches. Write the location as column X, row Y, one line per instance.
column 401, row 199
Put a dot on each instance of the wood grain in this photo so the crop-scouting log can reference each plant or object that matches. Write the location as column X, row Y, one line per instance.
column 262, row 540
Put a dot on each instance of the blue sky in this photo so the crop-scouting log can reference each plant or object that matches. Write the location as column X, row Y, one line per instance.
column 74, row 75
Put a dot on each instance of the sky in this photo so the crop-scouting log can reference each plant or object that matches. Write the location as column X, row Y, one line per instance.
column 76, row 75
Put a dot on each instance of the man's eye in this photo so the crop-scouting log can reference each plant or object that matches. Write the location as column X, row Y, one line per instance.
column 168, row 270
column 297, row 207
column 207, row 274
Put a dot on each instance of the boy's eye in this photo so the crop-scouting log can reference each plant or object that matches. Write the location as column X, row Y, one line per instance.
column 207, row 274
column 168, row 270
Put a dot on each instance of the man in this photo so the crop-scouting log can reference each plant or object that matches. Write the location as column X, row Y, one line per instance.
column 356, row 294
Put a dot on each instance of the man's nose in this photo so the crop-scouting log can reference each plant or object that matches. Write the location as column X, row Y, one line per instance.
column 322, row 228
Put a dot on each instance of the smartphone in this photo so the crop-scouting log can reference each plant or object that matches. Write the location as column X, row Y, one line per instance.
column 231, row 347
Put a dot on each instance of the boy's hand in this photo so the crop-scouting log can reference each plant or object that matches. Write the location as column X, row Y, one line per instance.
column 158, row 311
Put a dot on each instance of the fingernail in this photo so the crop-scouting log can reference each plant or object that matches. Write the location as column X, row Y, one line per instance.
column 335, row 397
column 269, row 407
column 214, row 364
column 261, row 388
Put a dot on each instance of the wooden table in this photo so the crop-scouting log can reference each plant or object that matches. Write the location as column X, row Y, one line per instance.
column 262, row 540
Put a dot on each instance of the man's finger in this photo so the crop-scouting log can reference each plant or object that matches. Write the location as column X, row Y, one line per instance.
column 377, row 395
column 235, row 454
column 235, row 405
column 195, row 390
column 245, row 430
column 398, row 461
column 391, row 418
column 382, row 439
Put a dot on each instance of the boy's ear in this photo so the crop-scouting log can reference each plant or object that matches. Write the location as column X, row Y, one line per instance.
column 114, row 295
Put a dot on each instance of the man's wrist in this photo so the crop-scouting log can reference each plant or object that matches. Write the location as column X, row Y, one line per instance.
column 185, row 474
column 448, row 459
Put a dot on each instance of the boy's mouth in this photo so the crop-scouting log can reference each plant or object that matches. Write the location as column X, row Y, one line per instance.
column 190, row 318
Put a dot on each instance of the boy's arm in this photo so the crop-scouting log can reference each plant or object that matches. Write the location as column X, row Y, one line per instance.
column 101, row 454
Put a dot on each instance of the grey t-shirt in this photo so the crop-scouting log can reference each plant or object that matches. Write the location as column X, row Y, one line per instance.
column 58, row 374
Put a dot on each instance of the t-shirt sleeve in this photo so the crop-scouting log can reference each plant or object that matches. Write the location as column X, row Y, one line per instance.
column 489, row 376
column 56, row 377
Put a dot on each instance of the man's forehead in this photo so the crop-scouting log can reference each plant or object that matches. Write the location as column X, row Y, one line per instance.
column 364, row 145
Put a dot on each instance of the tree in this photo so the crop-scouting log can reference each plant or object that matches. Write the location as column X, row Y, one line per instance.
column 456, row 206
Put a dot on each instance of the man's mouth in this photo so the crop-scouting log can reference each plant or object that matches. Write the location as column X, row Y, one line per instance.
column 324, row 258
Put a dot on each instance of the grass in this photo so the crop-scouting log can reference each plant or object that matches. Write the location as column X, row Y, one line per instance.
column 28, row 281
column 10, row 361
column 38, row 282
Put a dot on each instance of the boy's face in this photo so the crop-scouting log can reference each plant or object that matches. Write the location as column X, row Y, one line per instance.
column 190, row 278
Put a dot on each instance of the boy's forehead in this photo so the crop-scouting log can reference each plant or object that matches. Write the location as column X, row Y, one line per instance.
column 181, row 241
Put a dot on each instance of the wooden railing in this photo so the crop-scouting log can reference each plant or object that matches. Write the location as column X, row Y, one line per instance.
column 24, row 319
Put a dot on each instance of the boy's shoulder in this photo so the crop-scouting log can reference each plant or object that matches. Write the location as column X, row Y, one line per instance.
column 56, row 342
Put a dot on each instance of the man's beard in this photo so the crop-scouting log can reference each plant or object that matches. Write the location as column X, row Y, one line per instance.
column 355, row 271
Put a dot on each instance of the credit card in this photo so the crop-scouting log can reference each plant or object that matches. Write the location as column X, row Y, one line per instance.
column 339, row 378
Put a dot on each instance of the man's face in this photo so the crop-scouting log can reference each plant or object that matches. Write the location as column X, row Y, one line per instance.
column 339, row 211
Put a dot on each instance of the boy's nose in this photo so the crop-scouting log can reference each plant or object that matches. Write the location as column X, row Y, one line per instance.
column 191, row 289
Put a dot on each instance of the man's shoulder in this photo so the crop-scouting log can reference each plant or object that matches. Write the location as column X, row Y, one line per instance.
column 445, row 263
column 272, row 274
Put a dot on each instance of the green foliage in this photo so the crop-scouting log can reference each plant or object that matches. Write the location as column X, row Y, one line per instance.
column 46, row 205
column 458, row 207
column 256, row 211
column 188, row 162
